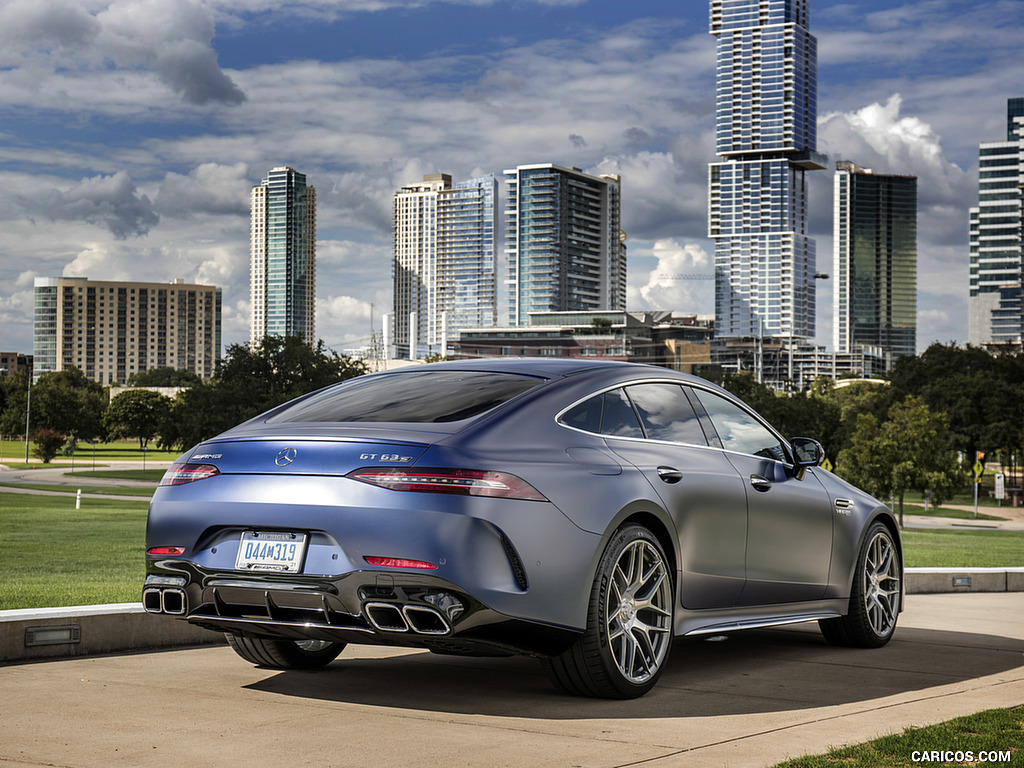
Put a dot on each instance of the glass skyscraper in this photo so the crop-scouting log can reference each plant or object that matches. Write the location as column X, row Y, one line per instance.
column 996, row 247
column 765, row 136
column 565, row 247
column 444, row 259
column 875, row 265
column 282, row 288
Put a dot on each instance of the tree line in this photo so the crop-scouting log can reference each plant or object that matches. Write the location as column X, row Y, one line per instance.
column 66, row 407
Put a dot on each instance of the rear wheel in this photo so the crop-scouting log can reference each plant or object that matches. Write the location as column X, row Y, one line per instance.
column 623, row 650
column 285, row 654
column 875, row 597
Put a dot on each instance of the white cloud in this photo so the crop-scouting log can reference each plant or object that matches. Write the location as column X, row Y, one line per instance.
column 210, row 188
column 678, row 281
column 112, row 202
column 170, row 38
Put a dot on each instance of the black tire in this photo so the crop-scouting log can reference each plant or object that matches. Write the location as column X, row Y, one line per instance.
column 285, row 654
column 628, row 637
column 875, row 597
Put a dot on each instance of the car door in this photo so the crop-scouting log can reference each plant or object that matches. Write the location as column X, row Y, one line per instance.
column 654, row 427
column 789, row 522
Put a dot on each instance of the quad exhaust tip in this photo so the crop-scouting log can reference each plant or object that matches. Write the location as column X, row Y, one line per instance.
column 169, row 601
column 419, row 619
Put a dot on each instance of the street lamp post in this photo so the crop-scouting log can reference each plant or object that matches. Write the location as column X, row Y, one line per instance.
column 28, row 415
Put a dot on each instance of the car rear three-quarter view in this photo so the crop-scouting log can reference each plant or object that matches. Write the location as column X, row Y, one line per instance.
column 583, row 513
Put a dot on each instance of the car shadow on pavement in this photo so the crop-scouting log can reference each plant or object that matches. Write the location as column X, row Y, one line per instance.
column 752, row 672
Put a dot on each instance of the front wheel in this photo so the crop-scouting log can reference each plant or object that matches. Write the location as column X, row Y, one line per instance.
column 876, row 595
column 623, row 650
column 285, row 654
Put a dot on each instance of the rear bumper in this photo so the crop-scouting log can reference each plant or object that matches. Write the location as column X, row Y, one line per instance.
column 362, row 607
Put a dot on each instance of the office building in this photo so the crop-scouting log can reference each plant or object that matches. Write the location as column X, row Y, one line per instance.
column 110, row 330
column 566, row 250
column 444, row 261
column 282, row 275
column 996, row 246
column 765, row 136
column 875, row 262
column 15, row 364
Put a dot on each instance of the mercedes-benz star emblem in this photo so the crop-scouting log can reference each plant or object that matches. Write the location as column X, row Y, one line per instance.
column 285, row 457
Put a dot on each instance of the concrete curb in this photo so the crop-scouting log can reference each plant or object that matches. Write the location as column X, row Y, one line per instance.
column 49, row 633
column 925, row 581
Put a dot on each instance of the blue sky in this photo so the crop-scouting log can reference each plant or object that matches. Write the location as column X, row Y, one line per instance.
column 132, row 131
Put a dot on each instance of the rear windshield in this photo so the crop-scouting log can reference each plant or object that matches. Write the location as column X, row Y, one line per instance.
column 410, row 397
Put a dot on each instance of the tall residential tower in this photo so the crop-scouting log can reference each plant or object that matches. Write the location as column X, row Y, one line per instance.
column 765, row 136
column 566, row 250
column 875, row 264
column 283, row 257
column 110, row 330
column 444, row 260
column 996, row 242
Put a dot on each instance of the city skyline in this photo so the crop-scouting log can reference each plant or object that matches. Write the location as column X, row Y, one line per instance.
column 133, row 132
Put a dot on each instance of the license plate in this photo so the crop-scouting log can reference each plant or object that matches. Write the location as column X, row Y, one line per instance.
column 271, row 551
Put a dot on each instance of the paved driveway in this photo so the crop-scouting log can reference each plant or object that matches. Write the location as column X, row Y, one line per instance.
column 749, row 700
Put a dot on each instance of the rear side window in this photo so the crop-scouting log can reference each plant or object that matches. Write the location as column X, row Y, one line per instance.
column 666, row 413
column 409, row 397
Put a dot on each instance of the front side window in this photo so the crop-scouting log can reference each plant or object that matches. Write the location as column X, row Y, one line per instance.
column 739, row 430
column 409, row 397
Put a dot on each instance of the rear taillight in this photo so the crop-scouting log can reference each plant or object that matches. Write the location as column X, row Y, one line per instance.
column 399, row 562
column 180, row 474
column 461, row 482
column 165, row 551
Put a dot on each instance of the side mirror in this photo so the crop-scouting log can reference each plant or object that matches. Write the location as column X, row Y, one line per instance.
column 807, row 452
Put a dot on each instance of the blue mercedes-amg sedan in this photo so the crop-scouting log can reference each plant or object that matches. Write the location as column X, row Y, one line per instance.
column 583, row 513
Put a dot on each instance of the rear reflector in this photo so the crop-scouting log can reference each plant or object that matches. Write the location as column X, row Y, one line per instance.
column 181, row 474
column 463, row 482
column 399, row 562
column 165, row 551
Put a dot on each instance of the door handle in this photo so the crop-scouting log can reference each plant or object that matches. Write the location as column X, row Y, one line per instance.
column 761, row 484
column 670, row 475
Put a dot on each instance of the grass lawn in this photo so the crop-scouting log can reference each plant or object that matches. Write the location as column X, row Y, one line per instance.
column 961, row 549
column 12, row 453
column 993, row 731
column 52, row 554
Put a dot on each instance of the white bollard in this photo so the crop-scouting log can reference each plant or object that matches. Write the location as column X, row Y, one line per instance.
column 78, row 499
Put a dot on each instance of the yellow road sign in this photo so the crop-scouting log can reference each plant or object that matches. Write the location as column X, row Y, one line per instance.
column 979, row 469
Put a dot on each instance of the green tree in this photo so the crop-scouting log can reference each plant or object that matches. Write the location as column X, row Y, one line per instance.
column 13, row 393
column 164, row 377
column 912, row 450
column 137, row 413
column 69, row 403
column 251, row 381
column 48, row 443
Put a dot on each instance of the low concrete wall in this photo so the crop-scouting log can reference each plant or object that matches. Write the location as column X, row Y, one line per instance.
column 923, row 581
column 47, row 633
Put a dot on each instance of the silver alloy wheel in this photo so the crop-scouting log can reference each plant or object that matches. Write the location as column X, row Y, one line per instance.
column 881, row 584
column 639, row 612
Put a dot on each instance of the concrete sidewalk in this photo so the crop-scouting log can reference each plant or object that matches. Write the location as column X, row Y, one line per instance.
column 747, row 701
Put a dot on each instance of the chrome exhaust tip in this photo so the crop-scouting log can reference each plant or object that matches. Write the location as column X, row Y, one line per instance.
column 386, row 617
column 151, row 601
column 173, row 601
column 425, row 621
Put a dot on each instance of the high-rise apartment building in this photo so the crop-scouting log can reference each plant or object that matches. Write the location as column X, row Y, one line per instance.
column 765, row 136
column 444, row 260
column 110, row 330
column 996, row 243
column 875, row 262
column 565, row 246
column 282, row 287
